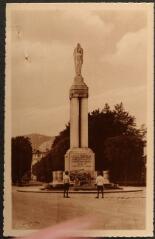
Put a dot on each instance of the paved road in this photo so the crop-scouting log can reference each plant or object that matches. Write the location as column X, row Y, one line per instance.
column 115, row 211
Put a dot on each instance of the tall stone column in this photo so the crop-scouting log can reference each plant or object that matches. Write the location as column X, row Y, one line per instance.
column 79, row 158
column 74, row 123
column 84, row 122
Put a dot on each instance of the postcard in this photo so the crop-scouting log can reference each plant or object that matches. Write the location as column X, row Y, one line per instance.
column 79, row 119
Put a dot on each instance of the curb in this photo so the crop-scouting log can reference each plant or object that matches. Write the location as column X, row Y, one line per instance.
column 80, row 192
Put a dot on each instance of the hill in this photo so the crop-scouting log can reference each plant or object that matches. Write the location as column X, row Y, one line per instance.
column 40, row 142
column 46, row 145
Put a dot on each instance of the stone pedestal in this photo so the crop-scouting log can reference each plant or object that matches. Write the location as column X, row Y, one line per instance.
column 57, row 181
column 80, row 161
column 106, row 177
column 57, row 176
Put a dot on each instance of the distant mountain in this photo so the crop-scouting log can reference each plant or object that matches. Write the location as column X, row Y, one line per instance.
column 40, row 142
column 46, row 145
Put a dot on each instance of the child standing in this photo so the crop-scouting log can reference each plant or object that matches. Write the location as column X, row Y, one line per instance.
column 66, row 181
column 100, row 184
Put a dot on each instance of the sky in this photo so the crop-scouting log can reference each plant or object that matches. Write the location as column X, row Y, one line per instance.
column 43, row 37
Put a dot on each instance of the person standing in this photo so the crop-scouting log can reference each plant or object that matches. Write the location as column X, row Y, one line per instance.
column 100, row 184
column 66, row 181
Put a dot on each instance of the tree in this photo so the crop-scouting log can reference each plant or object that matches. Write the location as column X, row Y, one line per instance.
column 108, row 123
column 125, row 154
column 60, row 146
column 42, row 169
column 21, row 158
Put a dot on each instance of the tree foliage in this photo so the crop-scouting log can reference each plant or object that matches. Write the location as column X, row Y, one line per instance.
column 60, row 146
column 42, row 169
column 108, row 123
column 125, row 154
column 21, row 158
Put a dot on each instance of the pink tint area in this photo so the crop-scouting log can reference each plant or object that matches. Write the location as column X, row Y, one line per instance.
column 63, row 230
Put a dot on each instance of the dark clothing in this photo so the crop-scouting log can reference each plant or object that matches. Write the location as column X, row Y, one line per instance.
column 100, row 189
column 66, row 188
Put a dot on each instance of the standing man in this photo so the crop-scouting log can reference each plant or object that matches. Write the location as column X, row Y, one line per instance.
column 66, row 181
column 100, row 184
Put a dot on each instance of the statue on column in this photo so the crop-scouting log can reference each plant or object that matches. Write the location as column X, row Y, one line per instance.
column 78, row 59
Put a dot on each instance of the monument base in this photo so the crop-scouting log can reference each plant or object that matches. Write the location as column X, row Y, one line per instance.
column 80, row 162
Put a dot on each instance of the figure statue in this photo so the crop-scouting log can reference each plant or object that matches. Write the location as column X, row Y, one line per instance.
column 78, row 59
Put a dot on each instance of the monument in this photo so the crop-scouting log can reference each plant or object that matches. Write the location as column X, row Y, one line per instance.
column 79, row 158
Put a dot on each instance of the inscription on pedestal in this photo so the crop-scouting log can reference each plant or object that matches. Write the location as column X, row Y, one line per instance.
column 80, row 161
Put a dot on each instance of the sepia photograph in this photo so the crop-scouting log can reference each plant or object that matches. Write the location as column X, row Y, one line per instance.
column 79, row 119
